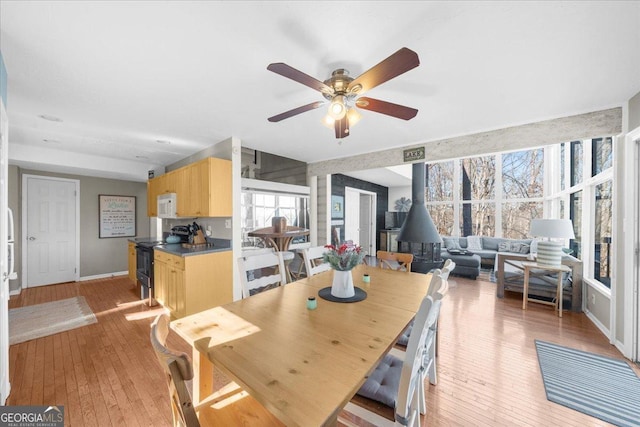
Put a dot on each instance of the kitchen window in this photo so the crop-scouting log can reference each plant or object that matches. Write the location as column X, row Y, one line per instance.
column 263, row 200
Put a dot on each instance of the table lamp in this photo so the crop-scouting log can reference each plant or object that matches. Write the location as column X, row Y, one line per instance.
column 549, row 251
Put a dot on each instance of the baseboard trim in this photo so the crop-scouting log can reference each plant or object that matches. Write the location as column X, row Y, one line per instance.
column 598, row 324
column 103, row 276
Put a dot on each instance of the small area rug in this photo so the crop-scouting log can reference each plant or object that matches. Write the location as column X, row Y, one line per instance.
column 40, row 320
column 599, row 386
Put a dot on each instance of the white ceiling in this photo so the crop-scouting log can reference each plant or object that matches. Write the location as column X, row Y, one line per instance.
column 122, row 75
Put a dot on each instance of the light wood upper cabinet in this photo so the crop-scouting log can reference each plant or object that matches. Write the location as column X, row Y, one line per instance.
column 203, row 189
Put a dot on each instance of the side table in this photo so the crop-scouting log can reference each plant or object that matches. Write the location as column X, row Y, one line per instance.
column 560, row 269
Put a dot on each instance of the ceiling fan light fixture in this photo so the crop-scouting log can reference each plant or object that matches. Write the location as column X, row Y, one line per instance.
column 328, row 121
column 337, row 107
column 353, row 116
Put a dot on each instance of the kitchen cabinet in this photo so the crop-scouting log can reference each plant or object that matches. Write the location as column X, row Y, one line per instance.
column 187, row 285
column 132, row 262
column 203, row 189
column 167, row 183
column 389, row 240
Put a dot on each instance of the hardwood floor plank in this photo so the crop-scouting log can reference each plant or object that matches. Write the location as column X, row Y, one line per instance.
column 488, row 374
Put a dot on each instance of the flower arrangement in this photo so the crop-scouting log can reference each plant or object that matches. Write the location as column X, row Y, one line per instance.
column 344, row 257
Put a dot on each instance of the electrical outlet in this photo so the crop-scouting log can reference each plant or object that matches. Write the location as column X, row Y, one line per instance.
column 593, row 299
column 227, row 223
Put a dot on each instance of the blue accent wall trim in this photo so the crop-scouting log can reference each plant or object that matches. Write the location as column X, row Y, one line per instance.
column 3, row 82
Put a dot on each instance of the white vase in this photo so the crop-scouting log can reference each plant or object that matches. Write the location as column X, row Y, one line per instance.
column 342, row 286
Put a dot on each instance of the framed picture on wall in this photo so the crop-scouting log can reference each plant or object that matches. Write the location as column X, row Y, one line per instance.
column 337, row 207
column 117, row 216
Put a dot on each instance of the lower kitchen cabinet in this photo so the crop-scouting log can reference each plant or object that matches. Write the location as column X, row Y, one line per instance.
column 132, row 262
column 187, row 285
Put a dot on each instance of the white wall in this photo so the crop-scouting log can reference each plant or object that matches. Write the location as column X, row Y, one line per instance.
column 397, row 192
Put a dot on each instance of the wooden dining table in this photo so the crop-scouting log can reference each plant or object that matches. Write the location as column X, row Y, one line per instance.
column 303, row 365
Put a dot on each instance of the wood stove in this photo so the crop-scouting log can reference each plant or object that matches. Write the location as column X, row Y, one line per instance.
column 418, row 234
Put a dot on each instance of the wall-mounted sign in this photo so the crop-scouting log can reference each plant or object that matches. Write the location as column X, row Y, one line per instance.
column 117, row 216
column 413, row 154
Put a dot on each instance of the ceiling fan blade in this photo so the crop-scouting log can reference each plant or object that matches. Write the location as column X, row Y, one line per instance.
column 342, row 127
column 400, row 62
column 388, row 108
column 295, row 111
column 300, row 77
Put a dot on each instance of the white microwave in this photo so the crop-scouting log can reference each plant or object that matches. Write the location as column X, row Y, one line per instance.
column 167, row 205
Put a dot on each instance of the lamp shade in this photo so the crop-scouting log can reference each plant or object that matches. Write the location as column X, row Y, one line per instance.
column 552, row 228
column 549, row 252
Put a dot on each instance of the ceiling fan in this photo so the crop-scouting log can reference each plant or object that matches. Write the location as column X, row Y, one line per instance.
column 343, row 92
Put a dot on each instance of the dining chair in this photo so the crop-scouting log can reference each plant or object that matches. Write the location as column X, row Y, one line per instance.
column 313, row 260
column 230, row 405
column 252, row 268
column 394, row 260
column 447, row 268
column 437, row 290
column 392, row 391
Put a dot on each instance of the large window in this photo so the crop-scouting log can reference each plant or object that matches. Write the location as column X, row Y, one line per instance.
column 516, row 218
column 602, row 237
column 478, row 219
column 577, row 160
column 478, row 178
column 522, row 174
column 259, row 207
column 439, row 181
column 602, row 155
column 575, row 212
column 499, row 195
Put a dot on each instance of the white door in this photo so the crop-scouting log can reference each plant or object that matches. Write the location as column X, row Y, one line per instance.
column 352, row 215
column 51, row 230
column 360, row 218
column 5, row 387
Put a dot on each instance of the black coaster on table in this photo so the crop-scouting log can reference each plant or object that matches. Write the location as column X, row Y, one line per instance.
column 325, row 293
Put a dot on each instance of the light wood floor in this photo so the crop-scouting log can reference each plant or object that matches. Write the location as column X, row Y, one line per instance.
column 107, row 374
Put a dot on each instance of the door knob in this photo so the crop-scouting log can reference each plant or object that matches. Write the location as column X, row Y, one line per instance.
column 32, row 238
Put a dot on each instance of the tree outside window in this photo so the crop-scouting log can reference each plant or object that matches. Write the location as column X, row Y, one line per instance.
column 602, row 155
column 478, row 184
column 517, row 216
column 523, row 174
column 577, row 160
column 575, row 212
column 602, row 236
column 478, row 219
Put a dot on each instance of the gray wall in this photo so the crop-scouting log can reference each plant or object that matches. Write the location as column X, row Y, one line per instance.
column 97, row 256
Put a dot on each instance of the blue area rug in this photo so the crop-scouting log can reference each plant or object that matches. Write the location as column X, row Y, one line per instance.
column 596, row 385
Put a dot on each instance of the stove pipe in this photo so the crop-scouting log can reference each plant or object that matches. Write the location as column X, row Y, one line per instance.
column 418, row 227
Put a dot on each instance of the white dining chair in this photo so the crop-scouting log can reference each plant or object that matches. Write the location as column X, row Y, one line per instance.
column 447, row 268
column 313, row 260
column 260, row 272
column 396, row 383
column 437, row 290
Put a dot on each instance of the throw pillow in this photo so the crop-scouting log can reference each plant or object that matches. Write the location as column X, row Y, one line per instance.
column 451, row 243
column 504, row 247
column 519, row 248
column 474, row 243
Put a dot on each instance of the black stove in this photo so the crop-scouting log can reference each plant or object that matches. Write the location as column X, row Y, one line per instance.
column 144, row 268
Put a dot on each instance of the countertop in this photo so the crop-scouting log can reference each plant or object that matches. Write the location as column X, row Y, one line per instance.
column 213, row 245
